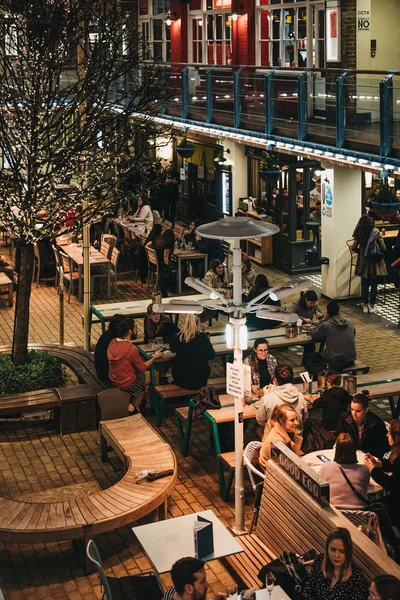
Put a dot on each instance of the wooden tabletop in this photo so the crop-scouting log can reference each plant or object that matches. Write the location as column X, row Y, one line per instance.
column 188, row 254
column 75, row 252
column 136, row 227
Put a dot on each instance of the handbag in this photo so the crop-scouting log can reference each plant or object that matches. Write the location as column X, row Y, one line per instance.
column 206, row 399
column 373, row 251
column 357, row 493
column 291, row 571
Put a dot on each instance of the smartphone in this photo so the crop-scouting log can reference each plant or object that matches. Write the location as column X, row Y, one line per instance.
column 323, row 458
column 160, row 349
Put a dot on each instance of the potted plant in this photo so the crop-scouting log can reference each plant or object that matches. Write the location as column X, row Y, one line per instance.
column 385, row 202
column 185, row 149
column 269, row 168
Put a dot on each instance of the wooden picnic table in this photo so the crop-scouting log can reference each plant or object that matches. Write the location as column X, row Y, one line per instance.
column 75, row 252
column 5, row 282
column 137, row 228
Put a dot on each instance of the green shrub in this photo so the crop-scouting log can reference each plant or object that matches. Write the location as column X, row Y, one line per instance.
column 41, row 371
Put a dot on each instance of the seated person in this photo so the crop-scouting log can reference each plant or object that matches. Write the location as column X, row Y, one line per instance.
column 339, row 335
column 216, row 275
column 143, row 214
column 126, row 367
column 189, row 235
column 157, row 325
column 262, row 365
column 384, row 587
column 248, row 273
column 334, row 575
column 282, row 391
column 367, row 430
column 306, row 307
column 344, row 473
column 334, row 401
column 213, row 249
column 261, row 285
column 100, row 352
column 6, row 268
column 193, row 350
column 190, row 580
column 282, row 427
column 316, row 214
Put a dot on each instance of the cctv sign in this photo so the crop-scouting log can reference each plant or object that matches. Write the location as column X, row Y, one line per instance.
column 363, row 15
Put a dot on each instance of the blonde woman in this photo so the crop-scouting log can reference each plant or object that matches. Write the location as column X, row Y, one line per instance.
column 282, row 427
column 193, row 350
column 334, row 575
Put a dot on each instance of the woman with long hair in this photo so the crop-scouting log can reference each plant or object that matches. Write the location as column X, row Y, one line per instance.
column 368, row 268
column 334, row 575
column 157, row 325
column 261, row 285
column 262, row 365
column 192, row 350
column 344, row 469
column 282, row 427
column 143, row 214
column 386, row 472
column 385, row 587
column 306, row 306
column 248, row 273
column 216, row 275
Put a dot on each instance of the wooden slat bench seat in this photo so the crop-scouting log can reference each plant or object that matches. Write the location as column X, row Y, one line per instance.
column 358, row 367
column 7, row 285
column 140, row 447
column 170, row 391
column 291, row 520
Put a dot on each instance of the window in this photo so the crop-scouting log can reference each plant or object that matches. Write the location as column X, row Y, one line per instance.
column 219, row 39
column 156, row 34
column 197, row 40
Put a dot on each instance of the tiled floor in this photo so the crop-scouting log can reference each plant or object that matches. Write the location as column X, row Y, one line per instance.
column 35, row 461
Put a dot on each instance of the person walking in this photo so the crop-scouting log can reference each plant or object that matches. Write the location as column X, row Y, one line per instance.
column 368, row 267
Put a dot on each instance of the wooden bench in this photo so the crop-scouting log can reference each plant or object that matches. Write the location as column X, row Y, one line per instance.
column 358, row 367
column 5, row 282
column 140, row 447
column 171, row 391
column 290, row 520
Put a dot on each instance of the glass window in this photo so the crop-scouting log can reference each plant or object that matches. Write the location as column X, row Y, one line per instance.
column 161, row 7
column 219, row 39
column 197, row 40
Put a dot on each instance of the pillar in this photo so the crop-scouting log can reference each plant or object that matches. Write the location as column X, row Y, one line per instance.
column 239, row 172
column 341, row 209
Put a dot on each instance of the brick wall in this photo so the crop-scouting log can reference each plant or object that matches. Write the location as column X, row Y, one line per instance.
column 348, row 33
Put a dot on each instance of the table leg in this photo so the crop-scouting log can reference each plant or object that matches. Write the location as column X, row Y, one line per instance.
column 10, row 294
column 179, row 275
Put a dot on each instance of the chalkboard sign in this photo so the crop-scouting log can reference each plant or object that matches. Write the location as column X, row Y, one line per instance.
column 301, row 473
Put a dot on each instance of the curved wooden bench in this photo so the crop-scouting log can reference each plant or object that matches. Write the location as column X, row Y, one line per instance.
column 140, row 447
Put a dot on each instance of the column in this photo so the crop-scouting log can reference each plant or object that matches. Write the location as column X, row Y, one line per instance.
column 239, row 172
column 341, row 209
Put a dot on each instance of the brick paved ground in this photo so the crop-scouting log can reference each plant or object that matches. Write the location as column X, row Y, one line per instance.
column 36, row 462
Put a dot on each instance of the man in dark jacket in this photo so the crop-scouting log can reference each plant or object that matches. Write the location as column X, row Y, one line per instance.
column 339, row 335
column 367, row 430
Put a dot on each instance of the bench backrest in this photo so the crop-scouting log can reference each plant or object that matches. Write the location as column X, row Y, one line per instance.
column 291, row 520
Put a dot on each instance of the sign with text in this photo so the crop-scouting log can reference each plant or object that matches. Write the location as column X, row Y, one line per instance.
column 235, row 379
column 327, row 195
column 301, row 473
column 333, row 35
column 363, row 15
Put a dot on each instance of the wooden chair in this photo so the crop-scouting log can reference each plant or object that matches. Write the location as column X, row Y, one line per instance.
column 227, row 249
column 143, row 586
column 69, row 275
column 114, row 265
column 113, row 404
column 152, row 262
column 111, row 241
column 105, row 249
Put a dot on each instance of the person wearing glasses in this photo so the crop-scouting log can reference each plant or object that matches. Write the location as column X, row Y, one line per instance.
column 384, row 587
column 262, row 365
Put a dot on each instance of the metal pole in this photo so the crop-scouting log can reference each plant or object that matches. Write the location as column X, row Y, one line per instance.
column 86, row 278
column 61, row 302
column 239, row 527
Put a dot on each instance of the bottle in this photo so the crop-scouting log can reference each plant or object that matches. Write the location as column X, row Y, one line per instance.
column 156, row 296
column 321, row 380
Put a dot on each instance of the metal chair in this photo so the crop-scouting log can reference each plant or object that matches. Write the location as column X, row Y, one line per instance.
column 251, row 469
column 368, row 522
column 144, row 586
column 113, row 404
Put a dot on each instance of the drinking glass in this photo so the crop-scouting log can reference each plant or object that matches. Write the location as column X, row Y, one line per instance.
column 153, row 343
column 232, row 592
column 270, row 582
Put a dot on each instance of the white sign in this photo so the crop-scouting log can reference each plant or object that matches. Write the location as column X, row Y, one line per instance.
column 364, row 15
column 333, row 35
column 235, row 379
column 327, row 197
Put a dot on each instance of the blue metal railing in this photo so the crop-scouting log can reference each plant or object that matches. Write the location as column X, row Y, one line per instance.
column 353, row 113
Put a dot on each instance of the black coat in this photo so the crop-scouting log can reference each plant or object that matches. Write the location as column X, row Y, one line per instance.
column 374, row 439
column 334, row 402
column 100, row 355
column 190, row 367
column 391, row 484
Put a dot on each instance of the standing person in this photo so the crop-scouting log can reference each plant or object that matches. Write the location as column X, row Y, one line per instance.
column 164, row 247
column 386, row 472
column 369, row 269
column 334, row 576
column 144, row 214
column 262, row 365
column 344, row 469
column 126, row 367
column 261, row 285
column 171, row 192
column 282, row 391
column 282, row 427
column 367, row 429
column 339, row 335
column 100, row 352
column 334, row 401
column 193, row 350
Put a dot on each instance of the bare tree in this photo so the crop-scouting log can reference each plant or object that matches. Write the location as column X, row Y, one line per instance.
column 73, row 88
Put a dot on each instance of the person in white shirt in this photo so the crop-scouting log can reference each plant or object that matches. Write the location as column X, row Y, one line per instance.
column 282, row 391
column 144, row 214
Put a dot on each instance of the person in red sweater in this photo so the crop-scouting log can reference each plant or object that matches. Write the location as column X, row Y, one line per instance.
column 126, row 368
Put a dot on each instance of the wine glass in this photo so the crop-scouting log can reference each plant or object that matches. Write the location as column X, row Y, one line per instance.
column 269, row 583
column 232, row 592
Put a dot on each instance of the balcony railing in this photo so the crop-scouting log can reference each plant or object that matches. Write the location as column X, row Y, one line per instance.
column 349, row 112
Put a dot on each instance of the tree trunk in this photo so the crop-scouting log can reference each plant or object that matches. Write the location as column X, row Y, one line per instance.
column 21, row 319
